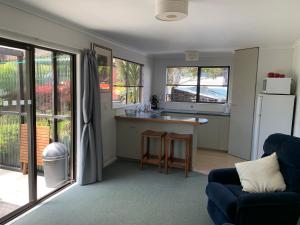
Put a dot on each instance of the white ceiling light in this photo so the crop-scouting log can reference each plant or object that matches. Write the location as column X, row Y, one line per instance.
column 192, row 55
column 171, row 10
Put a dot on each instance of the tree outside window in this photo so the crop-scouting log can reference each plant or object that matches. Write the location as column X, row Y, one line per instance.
column 127, row 82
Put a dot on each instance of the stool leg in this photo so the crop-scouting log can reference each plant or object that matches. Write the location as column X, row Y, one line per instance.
column 142, row 152
column 172, row 151
column 160, row 154
column 186, row 160
column 166, row 155
column 163, row 152
column 148, row 147
column 190, row 153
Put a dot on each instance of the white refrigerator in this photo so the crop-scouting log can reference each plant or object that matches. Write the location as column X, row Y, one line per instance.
column 273, row 114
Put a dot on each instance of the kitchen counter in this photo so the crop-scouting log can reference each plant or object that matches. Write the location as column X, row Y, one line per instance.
column 130, row 127
column 195, row 112
column 153, row 117
column 214, row 134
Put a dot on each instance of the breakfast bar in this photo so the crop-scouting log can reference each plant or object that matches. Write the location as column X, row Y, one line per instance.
column 129, row 128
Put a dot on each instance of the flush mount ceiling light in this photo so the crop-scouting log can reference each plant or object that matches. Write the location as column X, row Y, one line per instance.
column 171, row 10
column 192, row 55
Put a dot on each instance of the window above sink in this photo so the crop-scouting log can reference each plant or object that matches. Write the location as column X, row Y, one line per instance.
column 197, row 84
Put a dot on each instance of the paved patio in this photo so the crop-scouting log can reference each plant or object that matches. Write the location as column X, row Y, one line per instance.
column 14, row 190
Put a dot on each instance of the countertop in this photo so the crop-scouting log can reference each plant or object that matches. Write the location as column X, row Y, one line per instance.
column 152, row 117
column 209, row 113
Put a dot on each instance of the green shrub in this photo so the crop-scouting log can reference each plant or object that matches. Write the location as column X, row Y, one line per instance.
column 9, row 133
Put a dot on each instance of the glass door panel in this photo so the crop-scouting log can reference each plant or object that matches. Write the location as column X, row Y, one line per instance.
column 63, row 88
column 14, row 147
column 63, row 116
column 43, row 82
column 44, row 78
column 53, row 117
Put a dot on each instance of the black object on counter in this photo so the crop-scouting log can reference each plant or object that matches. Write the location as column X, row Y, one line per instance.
column 154, row 102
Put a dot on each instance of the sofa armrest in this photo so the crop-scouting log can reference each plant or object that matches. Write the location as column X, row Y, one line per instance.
column 276, row 208
column 224, row 176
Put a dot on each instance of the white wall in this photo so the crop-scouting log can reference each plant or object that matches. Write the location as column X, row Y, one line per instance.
column 161, row 62
column 270, row 60
column 26, row 27
column 296, row 72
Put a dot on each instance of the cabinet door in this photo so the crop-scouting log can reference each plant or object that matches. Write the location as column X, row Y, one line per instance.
column 214, row 134
column 243, row 101
column 128, row 140
column 223, row 133
column 208, row 134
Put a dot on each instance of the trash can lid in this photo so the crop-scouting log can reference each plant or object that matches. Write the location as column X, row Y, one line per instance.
column 55, row 150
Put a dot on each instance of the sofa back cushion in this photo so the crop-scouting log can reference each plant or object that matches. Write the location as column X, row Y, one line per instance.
column 287, row 149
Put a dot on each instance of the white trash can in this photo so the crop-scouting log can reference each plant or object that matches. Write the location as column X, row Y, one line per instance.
column 55, row 157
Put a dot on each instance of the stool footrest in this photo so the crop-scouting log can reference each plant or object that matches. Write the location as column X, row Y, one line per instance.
column 152, row 133
column 153, row 159
column 176, row 163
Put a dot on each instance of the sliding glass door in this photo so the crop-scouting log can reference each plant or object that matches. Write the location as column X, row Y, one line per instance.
column 36, row 109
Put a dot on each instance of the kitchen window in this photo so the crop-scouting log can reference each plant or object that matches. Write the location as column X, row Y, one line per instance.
column 127, row 82
column 197, row 84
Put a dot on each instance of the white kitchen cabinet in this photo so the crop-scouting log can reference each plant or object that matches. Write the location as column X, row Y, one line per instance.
column 128, row 139
column 214, row 134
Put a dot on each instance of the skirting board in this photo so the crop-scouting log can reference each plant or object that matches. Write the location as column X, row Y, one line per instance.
column 111, row 161
column 212, row 149
column 200, row 171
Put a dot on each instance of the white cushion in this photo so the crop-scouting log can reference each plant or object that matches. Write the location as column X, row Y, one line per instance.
column 262, row 175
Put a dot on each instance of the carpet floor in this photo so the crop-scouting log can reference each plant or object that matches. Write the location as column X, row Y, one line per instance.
column 128, row 196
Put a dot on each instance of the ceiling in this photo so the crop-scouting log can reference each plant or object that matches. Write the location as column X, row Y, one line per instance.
column 212, row 25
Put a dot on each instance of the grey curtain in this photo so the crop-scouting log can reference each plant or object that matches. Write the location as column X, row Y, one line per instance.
column 91, row 150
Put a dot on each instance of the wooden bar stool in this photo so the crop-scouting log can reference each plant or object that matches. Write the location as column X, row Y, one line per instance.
column 170, row 160
column 146, row 157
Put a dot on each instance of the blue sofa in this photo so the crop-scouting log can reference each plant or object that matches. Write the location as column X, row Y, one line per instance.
column 227, row 203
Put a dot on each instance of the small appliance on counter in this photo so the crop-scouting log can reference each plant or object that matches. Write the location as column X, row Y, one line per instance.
column 154, row 102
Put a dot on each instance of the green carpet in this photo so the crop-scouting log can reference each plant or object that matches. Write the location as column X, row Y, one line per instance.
column 128, row 196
